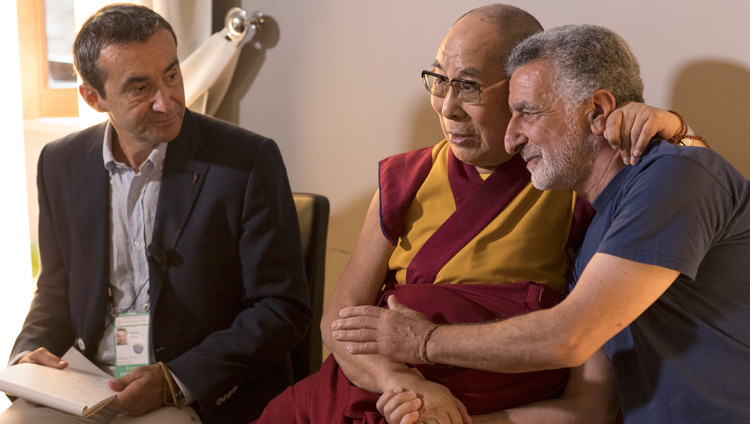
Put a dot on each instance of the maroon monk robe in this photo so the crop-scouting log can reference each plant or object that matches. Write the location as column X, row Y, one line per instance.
column 328, row 397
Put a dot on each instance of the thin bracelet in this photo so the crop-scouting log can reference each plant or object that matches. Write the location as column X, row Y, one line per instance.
column 423, row 349
column 168, row 388
column 681, row 132
column 681, row 137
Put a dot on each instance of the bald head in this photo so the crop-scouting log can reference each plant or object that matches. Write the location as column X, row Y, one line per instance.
column 473, row 53
column 510, row 24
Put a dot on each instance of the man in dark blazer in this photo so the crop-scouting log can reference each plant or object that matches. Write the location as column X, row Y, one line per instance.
column 225, row 290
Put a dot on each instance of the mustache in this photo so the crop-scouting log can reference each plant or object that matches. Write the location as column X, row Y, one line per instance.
column 529, row 151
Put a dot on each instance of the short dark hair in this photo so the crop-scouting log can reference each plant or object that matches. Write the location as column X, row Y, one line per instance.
column 585, row 58
column 118, row 23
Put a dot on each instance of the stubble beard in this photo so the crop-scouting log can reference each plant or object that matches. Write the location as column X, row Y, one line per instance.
column 568, row 163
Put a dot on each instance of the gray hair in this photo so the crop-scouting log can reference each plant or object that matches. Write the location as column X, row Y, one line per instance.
column 585, row 58
column 113, row 24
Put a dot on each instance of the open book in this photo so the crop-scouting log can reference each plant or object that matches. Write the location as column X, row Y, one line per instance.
column 80, row 389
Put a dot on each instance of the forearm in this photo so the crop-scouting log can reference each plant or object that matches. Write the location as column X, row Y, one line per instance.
column 360, row 284
column 525, row 343
column 590, row 396
column 370, row 372
column 563, row 336
column 557, row 411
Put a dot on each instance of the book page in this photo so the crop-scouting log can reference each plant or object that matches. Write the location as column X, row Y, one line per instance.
column 76, row 361
column 67, row 390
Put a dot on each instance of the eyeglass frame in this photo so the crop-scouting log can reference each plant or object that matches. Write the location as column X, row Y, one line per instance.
column 452, row 85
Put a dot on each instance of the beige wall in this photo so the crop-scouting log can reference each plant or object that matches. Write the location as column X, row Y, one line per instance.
column 336, row 82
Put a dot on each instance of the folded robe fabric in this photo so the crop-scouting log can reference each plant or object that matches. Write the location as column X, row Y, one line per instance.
column 328, row 397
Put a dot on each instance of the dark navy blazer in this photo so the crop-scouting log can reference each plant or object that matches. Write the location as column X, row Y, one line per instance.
column 227, row 287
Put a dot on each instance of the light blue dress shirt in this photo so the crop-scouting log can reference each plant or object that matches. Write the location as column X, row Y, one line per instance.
column 132, row 208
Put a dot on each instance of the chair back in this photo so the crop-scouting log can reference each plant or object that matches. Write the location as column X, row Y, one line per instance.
column 312, row 212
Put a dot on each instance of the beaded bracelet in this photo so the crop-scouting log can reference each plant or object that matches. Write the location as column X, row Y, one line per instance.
column 169, row 388
column 423, row 348
column 681, row 137
column 681, row 132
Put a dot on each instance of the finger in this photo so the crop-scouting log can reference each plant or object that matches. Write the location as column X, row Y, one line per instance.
column 124, row 397
column 384, row 399
column 410, row 418
column 626, row 141
column 354, row 311
column 357, row 335
column 393, row 303
column 32, row 403
column 121, row 383
column 612, row 128
column 405, row 411
column 641, row 133
column 44, row 357
column 417, row 372
column 363, row 348
column 455, row 416
column 399, row 405
column 355, row 323
column 465, row 418
column 647, row 133
column 118, row 385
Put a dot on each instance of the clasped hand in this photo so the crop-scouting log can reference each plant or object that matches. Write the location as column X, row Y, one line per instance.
column 426, row 403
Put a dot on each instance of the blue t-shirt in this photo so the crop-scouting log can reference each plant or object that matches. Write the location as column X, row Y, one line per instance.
column 686, row 359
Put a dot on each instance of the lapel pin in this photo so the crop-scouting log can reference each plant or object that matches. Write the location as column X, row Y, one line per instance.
column 195, row 177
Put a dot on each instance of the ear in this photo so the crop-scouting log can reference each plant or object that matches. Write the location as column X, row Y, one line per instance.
column 92, row 98
column 602, row 103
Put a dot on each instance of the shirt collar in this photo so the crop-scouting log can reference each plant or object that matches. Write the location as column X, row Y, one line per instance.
column 611, row 189
column 156, row 157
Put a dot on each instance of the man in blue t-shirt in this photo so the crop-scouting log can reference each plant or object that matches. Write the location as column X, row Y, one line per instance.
column 662, row 280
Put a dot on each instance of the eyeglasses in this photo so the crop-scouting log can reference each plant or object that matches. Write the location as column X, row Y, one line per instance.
column 467, row 91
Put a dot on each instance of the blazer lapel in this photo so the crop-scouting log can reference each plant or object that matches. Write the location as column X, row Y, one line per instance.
column 182, row 181
column 90, row 197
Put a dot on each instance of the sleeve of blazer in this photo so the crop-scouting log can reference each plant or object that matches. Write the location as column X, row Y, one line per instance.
column 275, row 312
column 48, row 323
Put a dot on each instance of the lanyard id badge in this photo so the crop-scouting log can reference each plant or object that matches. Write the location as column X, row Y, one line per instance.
column 131, row 342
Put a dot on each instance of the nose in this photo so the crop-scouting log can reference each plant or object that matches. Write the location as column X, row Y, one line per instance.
column 452, row 107
column 161, row 100
column 515, row 139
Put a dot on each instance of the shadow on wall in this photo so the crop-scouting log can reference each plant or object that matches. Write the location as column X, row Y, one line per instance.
column 252, row 56
column 346, row 223
column 712, row 96
column 426, row 129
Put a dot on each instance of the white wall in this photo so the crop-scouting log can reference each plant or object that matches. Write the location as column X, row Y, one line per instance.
column 15, row 262
column 336, row 82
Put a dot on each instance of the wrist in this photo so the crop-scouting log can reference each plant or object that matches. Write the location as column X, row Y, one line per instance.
column 423, row 353
column 404, row 377
column 171, row 393
column 679, row 134
column 684, row 135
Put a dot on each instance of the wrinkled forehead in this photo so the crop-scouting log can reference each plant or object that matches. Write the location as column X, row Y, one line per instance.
column 471, row 50
column 531, row 86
